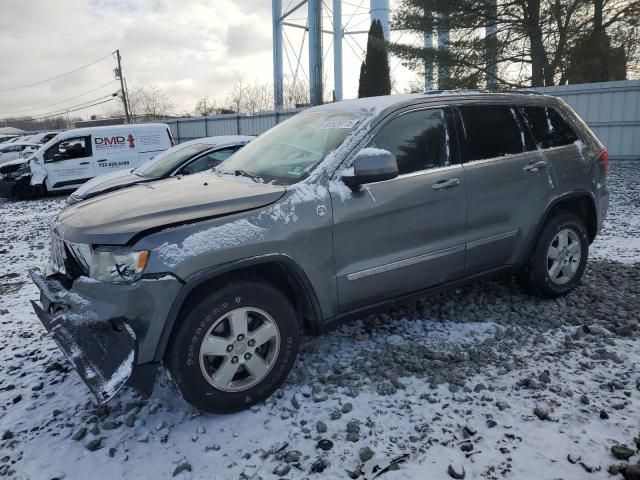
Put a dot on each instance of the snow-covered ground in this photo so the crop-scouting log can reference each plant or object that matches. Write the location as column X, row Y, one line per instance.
column 452, row 381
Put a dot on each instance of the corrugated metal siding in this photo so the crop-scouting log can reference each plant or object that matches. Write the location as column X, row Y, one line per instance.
column 611, row 109
column 184, row 129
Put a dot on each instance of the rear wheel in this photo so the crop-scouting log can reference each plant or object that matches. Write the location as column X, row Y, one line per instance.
column 234, row 347
column 559, row 257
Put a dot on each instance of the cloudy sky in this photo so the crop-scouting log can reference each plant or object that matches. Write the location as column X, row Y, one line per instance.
column 190, row 48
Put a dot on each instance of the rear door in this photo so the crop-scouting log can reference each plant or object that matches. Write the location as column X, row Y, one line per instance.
column 69, row 163
column 151, row 140
column 403, row 235
column 510, row 184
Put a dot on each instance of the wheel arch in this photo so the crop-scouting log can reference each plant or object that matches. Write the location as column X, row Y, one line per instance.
column 278, row 269
column 581, row 203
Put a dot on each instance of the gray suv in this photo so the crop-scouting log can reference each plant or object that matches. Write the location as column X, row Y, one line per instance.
column 342, row 209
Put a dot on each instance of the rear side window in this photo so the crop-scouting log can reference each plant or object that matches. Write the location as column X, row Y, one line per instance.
column 548, row 127
column 419, row 140
column 490, row 131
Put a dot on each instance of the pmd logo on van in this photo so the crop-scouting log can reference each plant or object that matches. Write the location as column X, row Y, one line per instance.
column 116, row 141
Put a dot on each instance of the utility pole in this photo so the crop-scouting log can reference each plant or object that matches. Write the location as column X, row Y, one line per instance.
column 124, row 91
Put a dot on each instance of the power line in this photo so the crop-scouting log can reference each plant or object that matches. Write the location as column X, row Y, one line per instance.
column 56, row 77
column 64, row 112
column 61, row 101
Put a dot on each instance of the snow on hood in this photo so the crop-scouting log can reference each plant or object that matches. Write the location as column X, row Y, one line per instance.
column 97, row 181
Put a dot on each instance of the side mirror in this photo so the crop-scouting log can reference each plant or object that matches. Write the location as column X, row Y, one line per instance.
column 372, row 165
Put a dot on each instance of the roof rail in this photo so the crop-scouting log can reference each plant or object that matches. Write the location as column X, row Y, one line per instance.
column 521, row 91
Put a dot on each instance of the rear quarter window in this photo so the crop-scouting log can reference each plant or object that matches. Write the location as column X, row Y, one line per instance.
column 490, row 131
column 548, row 127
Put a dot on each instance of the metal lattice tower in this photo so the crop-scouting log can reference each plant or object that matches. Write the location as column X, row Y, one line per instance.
column 314, row 28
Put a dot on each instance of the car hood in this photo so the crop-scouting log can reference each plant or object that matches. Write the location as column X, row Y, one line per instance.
column 107, row 182
column 115, row 218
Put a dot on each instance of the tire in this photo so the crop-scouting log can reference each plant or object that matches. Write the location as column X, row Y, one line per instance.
column 25, row 191
column 551, row 278
column 260, row 368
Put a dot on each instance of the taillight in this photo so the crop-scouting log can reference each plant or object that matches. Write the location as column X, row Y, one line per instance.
column 603, row 159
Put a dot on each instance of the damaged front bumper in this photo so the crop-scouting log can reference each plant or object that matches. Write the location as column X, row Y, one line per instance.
column 107, row 331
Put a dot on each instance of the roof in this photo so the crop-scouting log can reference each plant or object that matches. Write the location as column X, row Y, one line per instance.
column 376, row 105
column 220, row 140
column 10, row 131
column 88, row 130
column 27, row 144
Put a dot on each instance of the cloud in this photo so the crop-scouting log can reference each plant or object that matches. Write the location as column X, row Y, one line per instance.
column 248, row 38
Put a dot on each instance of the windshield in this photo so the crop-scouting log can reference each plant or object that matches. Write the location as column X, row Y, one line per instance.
column 168, row 161
column 291, row 150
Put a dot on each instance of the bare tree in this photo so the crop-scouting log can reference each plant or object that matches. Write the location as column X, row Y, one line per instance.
column 206, row 106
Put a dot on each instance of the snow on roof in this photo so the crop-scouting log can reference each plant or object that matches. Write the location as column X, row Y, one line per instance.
column 220, row 140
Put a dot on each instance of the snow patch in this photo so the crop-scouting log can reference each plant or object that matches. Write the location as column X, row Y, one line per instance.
column 223, row 236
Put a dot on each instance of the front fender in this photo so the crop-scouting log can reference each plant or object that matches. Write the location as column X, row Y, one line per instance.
column 207, row 274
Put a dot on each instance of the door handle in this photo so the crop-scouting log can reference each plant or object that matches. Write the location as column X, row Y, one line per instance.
column 84, row 163
column 534, row 167
column 445, row 184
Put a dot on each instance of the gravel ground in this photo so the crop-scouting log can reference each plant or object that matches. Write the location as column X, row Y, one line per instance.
column 484, row 379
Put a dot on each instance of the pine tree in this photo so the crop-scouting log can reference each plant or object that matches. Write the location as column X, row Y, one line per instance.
column 375, row 76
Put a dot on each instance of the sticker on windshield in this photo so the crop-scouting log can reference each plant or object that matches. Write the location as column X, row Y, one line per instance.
column 296, row 171
column 339, row 124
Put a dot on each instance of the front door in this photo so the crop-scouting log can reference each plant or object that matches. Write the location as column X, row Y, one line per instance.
column 403, row 235
column 69, row 163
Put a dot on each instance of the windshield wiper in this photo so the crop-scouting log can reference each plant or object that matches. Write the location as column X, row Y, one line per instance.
column 239, row 173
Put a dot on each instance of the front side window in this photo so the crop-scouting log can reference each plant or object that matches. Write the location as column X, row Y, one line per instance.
column 548, row 127
column 208, row 161
column 168, row 161
column 419, row 140
column 78, row 147
column 288, row 152
column 490, row 131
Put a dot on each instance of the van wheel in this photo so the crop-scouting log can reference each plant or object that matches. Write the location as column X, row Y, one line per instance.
column 559, row 257
column 23, row 190
column 234, row 348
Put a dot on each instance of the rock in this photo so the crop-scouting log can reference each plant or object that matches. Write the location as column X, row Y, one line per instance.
column 622, row 452
column 130, row 421
column 53, row 367
column 466, row 447
column 631, row 472
column 469, row 431
column 584, row 399
column 347, row 407
column 365, row 454
column 7, row 435
column 353, row 437
column 111, row 425
column 335, row 415
column 93, row 445
column 281, row 470
column 456, row 472
column 293, row 456
column 604, row 415
column 573, row 458
column 541, row 413
column 321, row 427
column 613, row 470
column 320, row 397
column 353, row 427
column 320, row 465
column 183, row 467
column 491, row 423
column 590, row 468
column 636, row 440
column 80, row 434
column 325, row 444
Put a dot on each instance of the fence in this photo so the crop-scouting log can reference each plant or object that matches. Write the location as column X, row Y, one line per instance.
column 611, row 109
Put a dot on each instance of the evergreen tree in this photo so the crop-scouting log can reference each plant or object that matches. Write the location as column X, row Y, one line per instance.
column 375, row 76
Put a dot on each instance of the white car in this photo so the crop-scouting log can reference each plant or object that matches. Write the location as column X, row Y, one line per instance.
column 13, row 150
column 188, row 157
column 74, row 157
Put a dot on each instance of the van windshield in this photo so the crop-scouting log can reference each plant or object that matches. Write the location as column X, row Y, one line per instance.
column 291, row 150
column 167, row 162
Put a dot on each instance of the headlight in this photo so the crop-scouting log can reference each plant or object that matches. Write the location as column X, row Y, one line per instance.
column 112, row 265
column 117, row 265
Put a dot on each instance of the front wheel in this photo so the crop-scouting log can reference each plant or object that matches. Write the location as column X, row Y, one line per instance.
column 234, row 347
column 559, row 258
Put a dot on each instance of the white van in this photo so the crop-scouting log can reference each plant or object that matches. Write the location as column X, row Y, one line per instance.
column 76, row 156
